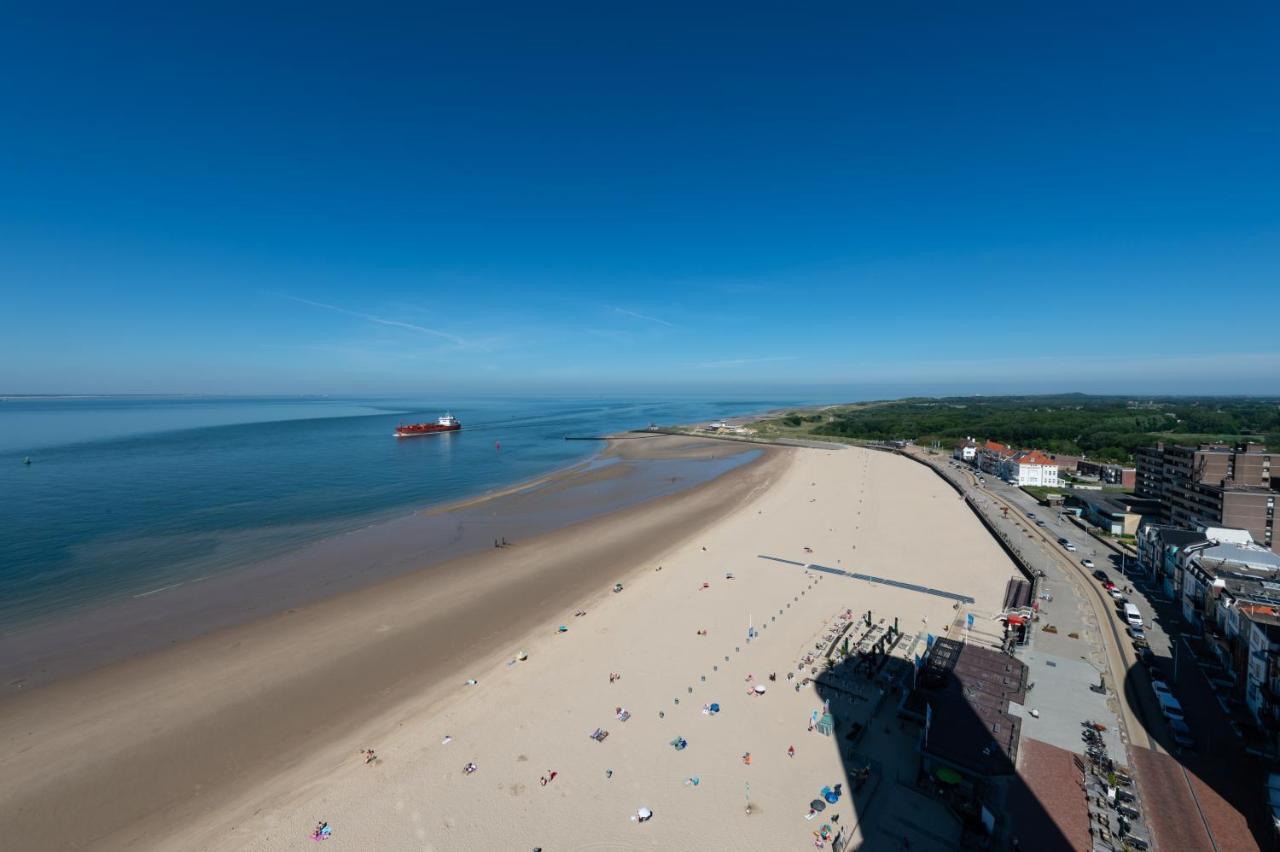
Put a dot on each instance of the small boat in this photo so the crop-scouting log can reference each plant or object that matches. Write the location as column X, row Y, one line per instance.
column 447, row 423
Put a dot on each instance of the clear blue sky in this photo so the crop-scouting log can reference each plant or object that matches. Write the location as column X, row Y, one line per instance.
column 593, row 196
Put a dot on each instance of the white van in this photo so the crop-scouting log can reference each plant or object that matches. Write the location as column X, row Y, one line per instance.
column 1132, row 615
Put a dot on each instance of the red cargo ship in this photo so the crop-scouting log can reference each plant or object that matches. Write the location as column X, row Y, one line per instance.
column 448, row 423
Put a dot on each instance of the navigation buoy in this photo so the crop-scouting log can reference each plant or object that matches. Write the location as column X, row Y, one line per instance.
column 26, row 460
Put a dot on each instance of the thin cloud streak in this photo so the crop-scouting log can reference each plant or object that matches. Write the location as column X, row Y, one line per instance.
column 637, row 315
column 421, row 329
column 739, row 362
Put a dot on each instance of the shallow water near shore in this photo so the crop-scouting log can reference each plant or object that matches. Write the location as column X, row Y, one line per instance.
column 130, row 496
column 67, row 643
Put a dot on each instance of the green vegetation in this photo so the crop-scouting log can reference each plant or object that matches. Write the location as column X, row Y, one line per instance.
column 1105, row 428
column 1041, row 493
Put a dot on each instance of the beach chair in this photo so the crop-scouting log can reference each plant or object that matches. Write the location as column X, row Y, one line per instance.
column 599, row 735
column 624, row 715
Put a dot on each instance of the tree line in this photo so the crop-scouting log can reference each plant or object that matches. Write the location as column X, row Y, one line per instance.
column 1103, row 428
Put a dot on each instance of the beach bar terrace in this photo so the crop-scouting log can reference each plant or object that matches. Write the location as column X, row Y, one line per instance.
column 969, row 745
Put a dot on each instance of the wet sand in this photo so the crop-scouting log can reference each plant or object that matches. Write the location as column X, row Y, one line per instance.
column 132, row 752
column 626, row 474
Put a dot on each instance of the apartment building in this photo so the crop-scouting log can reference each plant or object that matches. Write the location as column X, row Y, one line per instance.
column 966, row 450
column 1149, row 471
column 1262, row 676
column 1159, row 548
column 1110, row 474
column 1231, row 593
column 1216, row 574
column 1030, row 467
column 1212, row 485
column 990, row 454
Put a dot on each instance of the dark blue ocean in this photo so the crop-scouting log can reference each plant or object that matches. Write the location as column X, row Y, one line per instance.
column 124, row 495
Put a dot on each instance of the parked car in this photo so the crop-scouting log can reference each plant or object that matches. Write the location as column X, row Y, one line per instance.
column 1039, row 523
column 1099, row 574
column 1031, row 515
column 1070, row 547
column 1108, row 585
column 1117, row 595
column 1137, row 632
column 1063, row 541
column 1088, row 563
column 1170, row 707
column 1160, row 687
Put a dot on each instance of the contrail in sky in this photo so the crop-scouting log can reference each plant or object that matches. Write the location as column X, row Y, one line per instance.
column 644, row 317
column 421, row 329
column 738, row 362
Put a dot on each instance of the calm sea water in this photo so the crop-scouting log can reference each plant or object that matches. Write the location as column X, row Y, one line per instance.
column 126, row 494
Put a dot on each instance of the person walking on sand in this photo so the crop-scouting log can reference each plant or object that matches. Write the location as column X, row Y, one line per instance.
column 746, row 758
column 791, row 751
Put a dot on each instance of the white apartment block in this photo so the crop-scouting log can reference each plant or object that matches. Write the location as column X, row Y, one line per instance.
column 1031, row 467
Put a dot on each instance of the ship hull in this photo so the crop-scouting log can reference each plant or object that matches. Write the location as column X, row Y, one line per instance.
column 430, row 429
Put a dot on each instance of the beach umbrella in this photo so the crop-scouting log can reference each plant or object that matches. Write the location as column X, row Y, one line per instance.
column 818, row 805
column 760, row 689
column 714, row 708
column 948, row 776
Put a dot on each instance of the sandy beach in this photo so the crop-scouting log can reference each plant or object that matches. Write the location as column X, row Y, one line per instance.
column 628, row 472
column 246, row 738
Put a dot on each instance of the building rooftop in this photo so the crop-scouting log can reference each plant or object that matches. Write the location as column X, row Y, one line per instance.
column 1109, row 501
column 968, row 689
column 1266, row 615
column 1034, row 457
column 1231, row 558
column 1181, row 537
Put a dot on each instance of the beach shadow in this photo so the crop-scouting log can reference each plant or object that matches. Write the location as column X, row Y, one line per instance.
column 1223, row 788
column 906, row 788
